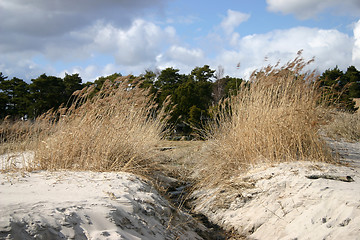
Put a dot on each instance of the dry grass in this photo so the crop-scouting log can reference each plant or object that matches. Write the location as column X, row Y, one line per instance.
column 19, row 136
column 12, row 133
column 273, row 118
column 344, row 126
column 116, row 129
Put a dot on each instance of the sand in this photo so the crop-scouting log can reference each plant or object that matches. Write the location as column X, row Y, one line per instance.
column 282, row 202
column 87, row 205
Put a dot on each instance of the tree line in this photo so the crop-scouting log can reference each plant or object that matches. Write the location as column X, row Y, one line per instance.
column 192, row 95
column 341, row 87
column 19, row 99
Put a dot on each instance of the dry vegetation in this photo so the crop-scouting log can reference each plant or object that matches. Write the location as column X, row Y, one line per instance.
column 344, row 126
column 18, row 136
column 12, row 133
column 116, row 129
column 274, row 119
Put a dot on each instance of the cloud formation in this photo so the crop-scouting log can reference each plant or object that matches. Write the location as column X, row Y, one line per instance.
column 329, row 47
column 304, row 9
column 356, row 49
column 233, row 20
column 67, row 30
column 41, row 35
column 183, row 55
column 56, row 17
column 140, row 43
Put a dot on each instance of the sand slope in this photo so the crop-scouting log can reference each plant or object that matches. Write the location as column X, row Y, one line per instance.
column 86, row 205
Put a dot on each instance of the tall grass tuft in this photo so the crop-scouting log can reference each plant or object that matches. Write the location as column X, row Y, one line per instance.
column 116, row 129
column 273, row 118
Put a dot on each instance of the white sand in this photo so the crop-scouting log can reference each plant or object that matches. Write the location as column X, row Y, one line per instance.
column 284, row 204
column 86, row 205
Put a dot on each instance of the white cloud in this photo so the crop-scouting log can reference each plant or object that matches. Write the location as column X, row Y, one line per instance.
column 134, row 49
column 182, row 58
column 305, row 9
column 21, row 65
column 140, row 43
column 356, row 50
column 233, row 20
column 185, row 56
column 92, row 72
column 329, row 47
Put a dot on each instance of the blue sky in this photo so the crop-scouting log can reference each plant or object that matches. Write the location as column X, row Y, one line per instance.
column 97, row 38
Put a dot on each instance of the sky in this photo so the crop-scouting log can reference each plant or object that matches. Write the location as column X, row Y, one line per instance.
column 98, row 38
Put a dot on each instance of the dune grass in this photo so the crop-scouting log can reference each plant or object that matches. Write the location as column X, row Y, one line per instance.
column 115, row 129
column 12, row 133
column 275, row 117
column 344, row 126
column 19, row 136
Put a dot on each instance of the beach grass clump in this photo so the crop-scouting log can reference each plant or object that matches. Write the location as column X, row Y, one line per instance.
column 114, row 129
column 274, row 117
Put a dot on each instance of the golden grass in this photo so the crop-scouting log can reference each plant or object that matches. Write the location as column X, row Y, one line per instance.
column 18, row 136
column 116, row 129
column 274, row 118
column 344, row 125
column 11, row 133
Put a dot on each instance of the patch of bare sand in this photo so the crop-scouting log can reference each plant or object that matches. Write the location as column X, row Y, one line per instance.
column 87, row 205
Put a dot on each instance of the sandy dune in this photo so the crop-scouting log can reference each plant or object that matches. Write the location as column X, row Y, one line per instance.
column 87, row 205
